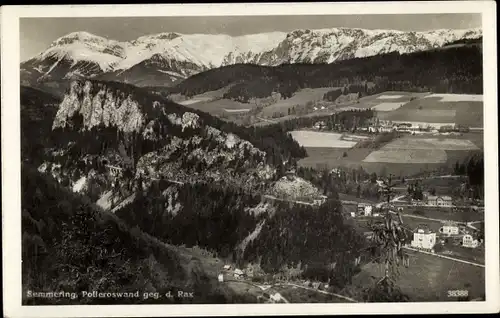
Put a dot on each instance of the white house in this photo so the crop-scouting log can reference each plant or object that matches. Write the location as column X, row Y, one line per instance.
column 320, row 125
column 277, row 297
column 365, row 209
column 423, row 238
column 227, row 267
column 320, row 200
column 220, row 278
column 238, row 273
column 442, row 201
column 449, row 228
column 469, row 241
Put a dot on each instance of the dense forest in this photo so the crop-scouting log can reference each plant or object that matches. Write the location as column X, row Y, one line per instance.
column 450, row 70
column 38, row 109
column 314, row 239
column 351, row 181
column 69, row 244
column 208, row 216
column 218, row 219
column 473, row 168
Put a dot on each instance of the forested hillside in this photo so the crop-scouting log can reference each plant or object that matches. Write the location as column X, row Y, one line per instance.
column 68, row 244
column 37, row 108
column 307, row 238
column 450, row 70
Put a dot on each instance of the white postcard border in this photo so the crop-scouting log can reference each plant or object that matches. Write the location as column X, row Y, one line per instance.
column 11, row 220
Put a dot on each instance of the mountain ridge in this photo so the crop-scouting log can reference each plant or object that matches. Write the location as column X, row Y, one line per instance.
column 164, row 58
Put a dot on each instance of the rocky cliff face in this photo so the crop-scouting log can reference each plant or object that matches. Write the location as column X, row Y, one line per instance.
column 102, row 107
column 114, row 136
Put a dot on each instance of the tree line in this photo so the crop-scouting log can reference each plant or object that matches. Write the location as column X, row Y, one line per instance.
column 450, row 70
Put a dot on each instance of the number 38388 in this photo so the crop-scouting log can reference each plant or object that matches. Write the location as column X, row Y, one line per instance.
column 458, row 293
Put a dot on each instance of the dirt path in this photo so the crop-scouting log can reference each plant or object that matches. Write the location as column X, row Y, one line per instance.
column 323, row 292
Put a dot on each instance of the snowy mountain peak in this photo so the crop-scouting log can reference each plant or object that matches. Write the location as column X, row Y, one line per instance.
column 80, row 36
column 163, row 58
column 160, row 36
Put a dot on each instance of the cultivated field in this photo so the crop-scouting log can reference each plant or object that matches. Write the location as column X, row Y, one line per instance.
column 456, row 97
column 428, row 278
column 393, row 97
column 237, row 111
column 441, row 108
column 299, row 98
column 421, row 154
column 410, row 142
column 394, row 155
column 219, row 106
column 411, row 149
column 321, row 139
column 385, row 107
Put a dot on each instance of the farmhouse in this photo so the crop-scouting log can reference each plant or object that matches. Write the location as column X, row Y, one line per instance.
column 380, row 129
column 442, row 201
column 365, row 209
column 423, row 238
column 449, row 228
column 469, row 241
column 320, row 200
column 336, row 172
column 319, row 125
column 238, row 273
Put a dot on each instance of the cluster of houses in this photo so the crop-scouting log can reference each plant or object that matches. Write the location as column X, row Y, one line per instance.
column 424, row 238
column 439, row 200
column 443, row 201
column 365, row 209
column 236, row 273
column 381, row 126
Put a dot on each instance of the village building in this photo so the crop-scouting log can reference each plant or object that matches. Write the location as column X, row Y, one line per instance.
column 320, row 125
column 320, row 200
column 365, row 209
column 239, row 274
column 227, row 267
column 449, row 228
column 277, row 297
column 335, row 171
column 220, row 278
column 423, row 238
column 469, row 241
column 441, row 201
column 386, row 129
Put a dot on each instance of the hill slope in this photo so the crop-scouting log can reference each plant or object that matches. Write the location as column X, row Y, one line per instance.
column 70, row 245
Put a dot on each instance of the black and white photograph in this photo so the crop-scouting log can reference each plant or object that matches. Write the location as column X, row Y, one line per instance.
column 342, row 157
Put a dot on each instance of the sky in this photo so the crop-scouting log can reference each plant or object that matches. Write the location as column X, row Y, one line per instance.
column 36, row 34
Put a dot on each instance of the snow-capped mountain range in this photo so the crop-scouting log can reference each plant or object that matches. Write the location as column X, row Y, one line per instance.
column 161, row 59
